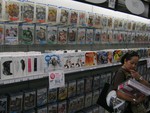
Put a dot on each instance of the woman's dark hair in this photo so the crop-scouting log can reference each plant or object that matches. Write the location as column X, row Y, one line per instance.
column 128, row 56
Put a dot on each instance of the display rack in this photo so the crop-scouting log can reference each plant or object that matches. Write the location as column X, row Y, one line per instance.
column 66, row 72
column 69, row 73
column 34, row 82
column 37, row 81
column 91, row 47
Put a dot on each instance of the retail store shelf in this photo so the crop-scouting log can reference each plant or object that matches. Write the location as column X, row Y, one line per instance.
column 21, row 79
column 33, row 77
column 90, row 68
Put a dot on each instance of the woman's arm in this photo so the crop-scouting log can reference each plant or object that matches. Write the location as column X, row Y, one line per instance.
column 120, row 78
column 139, row 78
column 124, row 96
column 130, row 98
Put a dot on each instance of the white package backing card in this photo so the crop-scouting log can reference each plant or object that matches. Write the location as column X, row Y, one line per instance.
column 62, row 35
column 104, row 21
column 81, row 36
column 13, row 10
column 40, row 13
column 97, row 21
column 110, row 22
column 90, row 19
column 68, row 61
column 82, row 19
column 1, row 33
column 120, row 24
column 11, row 34
column 130, row 23
column 7, row 71
column 72, row 34
column 52, row 35
column 29, row 60
column 27, row 34
column 125, row 25
column 34, row 63
column 40, row 34
column 89, row 36
column 52, row 62
column 38, row 64
column 52, row 16
column 104, row 36
column 20, row 66
column 97, row 36
column 79, row 59
column 64, row 16
column 110, row 36
column 1, row 9
column 116, row 22
column 73, row 20
column 28, row 12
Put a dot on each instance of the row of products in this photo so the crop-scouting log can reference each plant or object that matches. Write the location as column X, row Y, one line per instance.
column 75, row 95
column 26, row 64
column 25, row 11
column 13, row 34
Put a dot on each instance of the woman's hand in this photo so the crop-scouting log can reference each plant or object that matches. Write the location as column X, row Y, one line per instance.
column 141, row 98
column 139, row 78
column 135, row 74
column 138, row 100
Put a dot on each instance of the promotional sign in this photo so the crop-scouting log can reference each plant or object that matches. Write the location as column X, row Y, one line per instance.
column 56, row 79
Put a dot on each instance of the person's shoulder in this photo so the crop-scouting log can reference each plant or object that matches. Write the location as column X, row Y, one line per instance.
column 120, row 70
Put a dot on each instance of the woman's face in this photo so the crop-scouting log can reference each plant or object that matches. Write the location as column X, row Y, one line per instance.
column 131, row 64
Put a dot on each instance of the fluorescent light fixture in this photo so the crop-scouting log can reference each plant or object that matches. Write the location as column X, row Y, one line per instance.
column 96, row 1
column 135, row 6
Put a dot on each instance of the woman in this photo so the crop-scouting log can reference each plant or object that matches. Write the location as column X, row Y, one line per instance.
column 129, row 62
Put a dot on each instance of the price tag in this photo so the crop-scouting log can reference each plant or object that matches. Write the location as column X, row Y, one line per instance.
column 1, row 82
column 17, row 80
column 36, row 77
column 30, row 78
column 6, row 81
column 44, row 75
column 56, row 79
column 25, row 79
column 82, row 69
column 40, row 76
column 12, row 81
